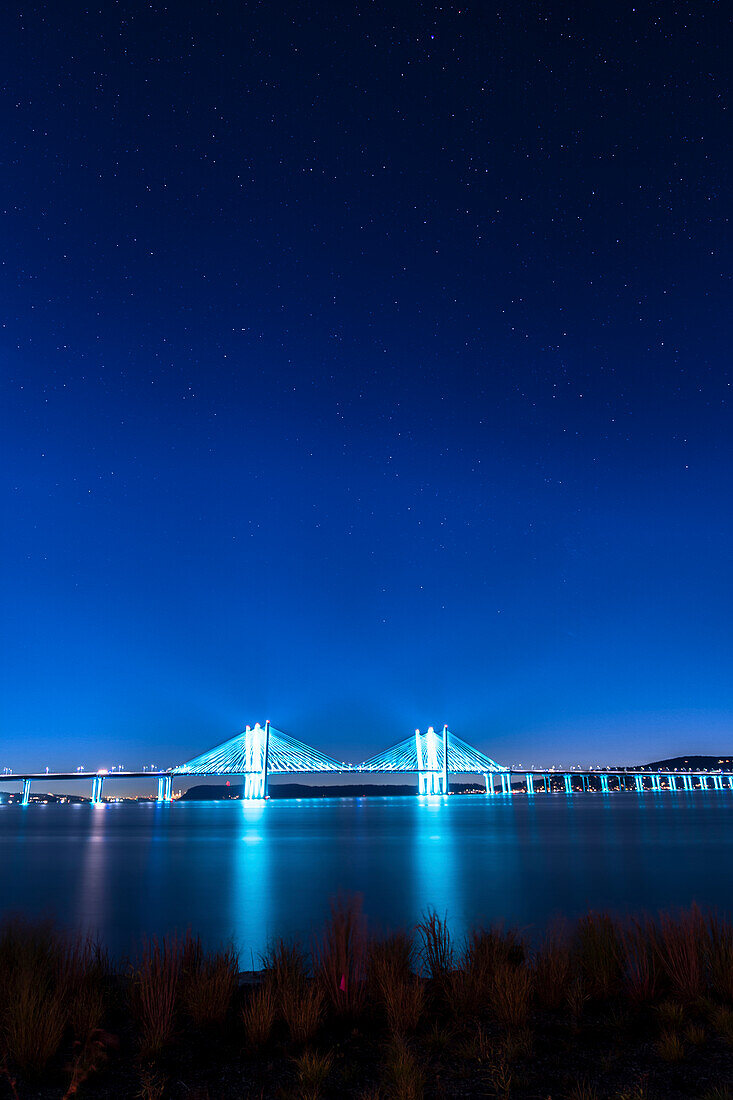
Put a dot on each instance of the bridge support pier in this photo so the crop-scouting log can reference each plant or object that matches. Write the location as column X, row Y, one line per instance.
column 26, row 796
column 568, row 784
column 640, row 782
column 489, row 783
column 165, row 788
column 97, row 789
column 604, row 783
column 530, row 783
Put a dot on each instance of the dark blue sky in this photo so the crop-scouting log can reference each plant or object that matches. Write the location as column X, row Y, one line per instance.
column 365, row 366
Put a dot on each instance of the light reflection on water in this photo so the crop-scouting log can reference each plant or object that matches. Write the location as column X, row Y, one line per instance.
column 251, row 872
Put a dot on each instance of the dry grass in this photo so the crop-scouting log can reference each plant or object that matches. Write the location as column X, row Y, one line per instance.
column 392, row 984
column 511, row 993
column 341, row 957
column 640, row 963
column 600, row 954
column 436, row 949
column 576, row 998
column 721, row 1018
column 670, row 1014
column 154, row 992
column 518, row 1044
column 681, row 948
column 312, row 1071
column 553, row 970
column 582, row 1090
column 389, row 959
column 258, row 1015
column 208, row 983
column 720, row 956
column 469, row 988
column 302, row 1012
column 35, row 985
column 285, row 966
column 404, row 1002
column 404, row 1076
column 695, row 1034
column 669, row 1047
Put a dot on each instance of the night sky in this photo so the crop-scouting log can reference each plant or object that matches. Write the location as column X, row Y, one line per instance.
column 365, row 366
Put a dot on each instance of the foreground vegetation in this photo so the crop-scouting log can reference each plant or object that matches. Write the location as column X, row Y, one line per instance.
column 598, row 1010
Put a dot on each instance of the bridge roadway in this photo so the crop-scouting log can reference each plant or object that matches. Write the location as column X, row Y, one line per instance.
column 705, row 780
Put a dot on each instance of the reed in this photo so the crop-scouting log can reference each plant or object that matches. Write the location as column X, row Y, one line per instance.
column 154, row 985
column 341, row 957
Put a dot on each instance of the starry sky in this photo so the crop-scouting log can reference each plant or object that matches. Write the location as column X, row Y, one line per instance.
column 365, row 366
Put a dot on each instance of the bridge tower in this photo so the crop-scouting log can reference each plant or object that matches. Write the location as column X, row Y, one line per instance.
column 256, row 759
column 432, row 777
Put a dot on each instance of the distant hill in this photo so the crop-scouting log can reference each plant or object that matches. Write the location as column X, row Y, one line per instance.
column 691, row 763
column 216, row 792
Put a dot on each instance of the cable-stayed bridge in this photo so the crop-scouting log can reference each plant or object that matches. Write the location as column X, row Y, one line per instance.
column 262, row 750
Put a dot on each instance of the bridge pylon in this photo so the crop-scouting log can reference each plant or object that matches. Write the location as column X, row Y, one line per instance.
column 432, row 778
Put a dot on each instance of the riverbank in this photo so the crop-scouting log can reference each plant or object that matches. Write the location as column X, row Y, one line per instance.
column 599, row 1010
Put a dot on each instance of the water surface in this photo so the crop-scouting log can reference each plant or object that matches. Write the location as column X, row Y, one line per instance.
column 253, row 871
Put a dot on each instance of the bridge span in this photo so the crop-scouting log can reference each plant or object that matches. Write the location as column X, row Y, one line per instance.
column 261, row 751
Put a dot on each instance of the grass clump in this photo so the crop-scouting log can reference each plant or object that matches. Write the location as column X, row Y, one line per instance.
column 553, row 970
column 681, row 948
column 404, row 1075
column 258, row 1015
column 669, row 1047
column 392, row 985
column 600, row 954
column 36, row 983
column 154, row 982
column 208, row 983
column 511, row 993
column 303, row 1012
column 436, row 948
column 341, row 957
column 312, row 1071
